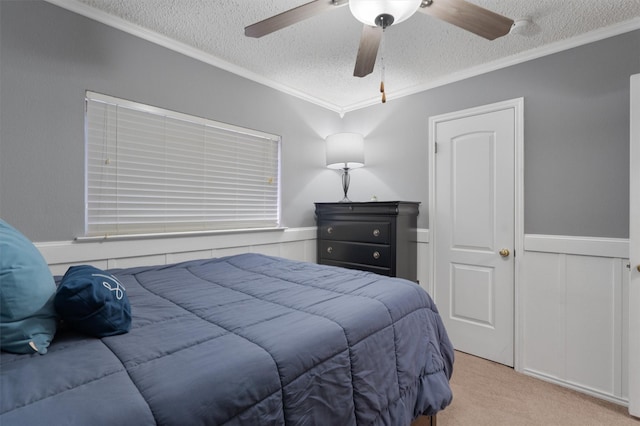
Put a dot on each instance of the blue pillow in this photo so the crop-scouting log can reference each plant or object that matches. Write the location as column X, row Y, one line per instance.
column 93, row 302
column 27, row 316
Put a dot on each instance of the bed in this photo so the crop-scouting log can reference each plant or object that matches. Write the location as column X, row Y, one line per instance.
column 243, row 340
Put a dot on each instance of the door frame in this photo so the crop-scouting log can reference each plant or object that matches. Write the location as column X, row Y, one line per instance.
column 517, row 105
column 633, row 369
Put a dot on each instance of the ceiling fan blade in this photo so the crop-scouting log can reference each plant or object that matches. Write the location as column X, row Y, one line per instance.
column 368, row 50
column 290, row 17
column 468, row 16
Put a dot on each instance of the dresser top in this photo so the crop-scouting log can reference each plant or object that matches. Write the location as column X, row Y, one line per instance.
column 369, row 207
column 365, row 203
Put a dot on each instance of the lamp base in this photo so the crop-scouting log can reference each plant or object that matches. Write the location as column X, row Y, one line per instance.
column 345, row 184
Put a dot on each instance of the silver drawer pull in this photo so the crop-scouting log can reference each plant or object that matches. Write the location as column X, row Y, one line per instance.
column 329, row 249
column 376, row 232
column 330, row 230
column 376, row 255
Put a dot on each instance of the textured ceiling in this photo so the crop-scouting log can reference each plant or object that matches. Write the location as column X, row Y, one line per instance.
column 314, row 59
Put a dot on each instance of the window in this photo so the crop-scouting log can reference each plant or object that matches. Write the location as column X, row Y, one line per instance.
column 150, row 170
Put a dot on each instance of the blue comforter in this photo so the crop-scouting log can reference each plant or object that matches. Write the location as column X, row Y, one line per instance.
column 244, row 340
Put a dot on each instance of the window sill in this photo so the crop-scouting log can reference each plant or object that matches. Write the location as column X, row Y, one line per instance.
column 129, row 237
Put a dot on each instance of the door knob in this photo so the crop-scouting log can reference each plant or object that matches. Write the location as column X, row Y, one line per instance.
column 504, row 252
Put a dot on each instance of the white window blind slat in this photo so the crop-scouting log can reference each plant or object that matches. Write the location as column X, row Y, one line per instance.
column 150, row 170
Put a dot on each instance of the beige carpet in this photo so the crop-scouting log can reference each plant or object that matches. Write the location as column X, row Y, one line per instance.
column 486, row 393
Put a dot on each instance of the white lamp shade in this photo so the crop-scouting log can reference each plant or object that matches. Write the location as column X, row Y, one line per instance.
column 366, row 11
column 345, row 150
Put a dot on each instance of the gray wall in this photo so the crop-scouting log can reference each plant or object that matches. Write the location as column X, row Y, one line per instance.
column 576, row 125
column 576, row 136
column 49, row 57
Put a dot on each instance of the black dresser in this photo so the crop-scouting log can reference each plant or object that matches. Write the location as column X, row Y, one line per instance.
column 377, row 236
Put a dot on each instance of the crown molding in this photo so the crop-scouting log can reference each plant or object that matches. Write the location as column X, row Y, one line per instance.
column 200, row 55
column 556, row 47
column 151, row 36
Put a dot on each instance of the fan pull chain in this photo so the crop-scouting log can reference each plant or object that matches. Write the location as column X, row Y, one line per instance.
column 382, row 69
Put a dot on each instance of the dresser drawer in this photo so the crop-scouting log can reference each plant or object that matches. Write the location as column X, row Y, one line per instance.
column 375, row 236
column 365, row 232
column 360, row 267
column 365, row 254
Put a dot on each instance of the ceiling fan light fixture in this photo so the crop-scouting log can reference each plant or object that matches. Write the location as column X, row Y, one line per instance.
column 369, row 11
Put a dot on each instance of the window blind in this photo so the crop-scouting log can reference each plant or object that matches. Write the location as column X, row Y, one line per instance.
column 150, row 170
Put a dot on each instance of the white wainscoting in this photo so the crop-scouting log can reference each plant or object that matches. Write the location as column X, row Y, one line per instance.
column 296, row 244
column 572, row 311
column 424, row 260
column 573, row 322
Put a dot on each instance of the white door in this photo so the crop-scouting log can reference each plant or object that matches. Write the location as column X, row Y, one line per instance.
column 473, row 231
column 634, row 251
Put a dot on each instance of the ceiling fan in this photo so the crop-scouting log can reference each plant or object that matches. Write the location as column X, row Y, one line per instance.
column 376, row 15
